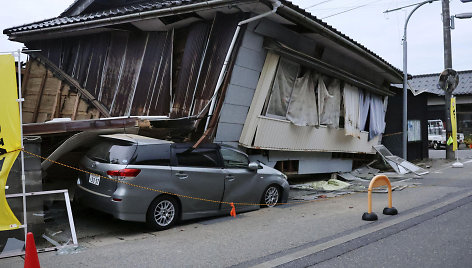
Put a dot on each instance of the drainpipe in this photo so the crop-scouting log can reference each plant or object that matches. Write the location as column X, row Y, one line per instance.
column 275, row 6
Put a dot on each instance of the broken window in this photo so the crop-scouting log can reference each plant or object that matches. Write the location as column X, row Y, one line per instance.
column 284, row 81
column 377, row 116
column 306, row 98
column 329, row 91
column 302, row 109
column 351, row 110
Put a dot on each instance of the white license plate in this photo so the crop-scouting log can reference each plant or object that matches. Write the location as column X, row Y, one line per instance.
column 94, row 179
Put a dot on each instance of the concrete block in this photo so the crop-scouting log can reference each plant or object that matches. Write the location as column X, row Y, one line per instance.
column 252, row 41
column 244, row 77
column 251, row 59
column 228, row 132
column 238, row 95
column 235, row 114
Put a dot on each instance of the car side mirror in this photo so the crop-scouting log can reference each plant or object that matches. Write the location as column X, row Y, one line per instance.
column 253, row 166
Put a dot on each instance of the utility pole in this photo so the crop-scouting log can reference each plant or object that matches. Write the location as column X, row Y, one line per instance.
column 447, row 65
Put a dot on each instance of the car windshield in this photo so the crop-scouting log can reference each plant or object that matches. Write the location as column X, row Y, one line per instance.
column 112, row 151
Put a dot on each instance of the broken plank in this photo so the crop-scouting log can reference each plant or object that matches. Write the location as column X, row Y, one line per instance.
column 55, row 107
column 76, row 106
column 39, row 96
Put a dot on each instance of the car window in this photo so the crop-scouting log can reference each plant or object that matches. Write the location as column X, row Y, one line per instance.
column 112, row 151
column 154, row 155
column 198, row 158
column 233, row 158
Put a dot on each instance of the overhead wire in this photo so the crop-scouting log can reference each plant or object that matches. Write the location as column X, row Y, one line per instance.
column 350, row 9
column 317, row 4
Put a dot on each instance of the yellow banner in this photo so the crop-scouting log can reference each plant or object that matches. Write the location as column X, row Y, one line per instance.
column 8, row 221
column 10, row 135
column 10, row 132
column 454, row 123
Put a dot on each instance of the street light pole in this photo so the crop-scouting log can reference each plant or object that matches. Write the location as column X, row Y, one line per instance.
column 450, row 154
column 405, row 79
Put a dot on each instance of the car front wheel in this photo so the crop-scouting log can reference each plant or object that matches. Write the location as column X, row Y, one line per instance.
column 436, row 146
column 162, row 213
column 271, row 196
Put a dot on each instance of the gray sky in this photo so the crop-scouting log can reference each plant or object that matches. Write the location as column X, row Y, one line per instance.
column 368, row 25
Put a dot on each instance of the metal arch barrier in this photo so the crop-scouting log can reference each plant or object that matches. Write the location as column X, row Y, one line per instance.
column 377, row 181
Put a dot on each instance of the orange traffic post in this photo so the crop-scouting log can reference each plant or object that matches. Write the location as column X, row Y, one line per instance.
column 31, row 254
column 377, row 181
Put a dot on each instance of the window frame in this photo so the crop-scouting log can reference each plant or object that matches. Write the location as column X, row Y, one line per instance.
column 178, row 149
column 236, row 151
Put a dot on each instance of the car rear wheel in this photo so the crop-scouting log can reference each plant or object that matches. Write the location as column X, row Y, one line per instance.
column 271, row 196
column 162, row 213
column 436, row 146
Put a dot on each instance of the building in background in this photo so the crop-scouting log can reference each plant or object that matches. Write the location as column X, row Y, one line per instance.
column 428, row 84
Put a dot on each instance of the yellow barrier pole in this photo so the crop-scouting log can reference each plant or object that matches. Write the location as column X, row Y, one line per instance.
column 377, row 181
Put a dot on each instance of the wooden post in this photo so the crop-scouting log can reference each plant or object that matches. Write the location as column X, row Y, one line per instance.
column 76, row 106
column 55, row 106
column 39, row 97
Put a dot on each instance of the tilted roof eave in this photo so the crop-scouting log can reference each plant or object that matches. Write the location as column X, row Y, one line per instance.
column 429, row 83
column 162, row 8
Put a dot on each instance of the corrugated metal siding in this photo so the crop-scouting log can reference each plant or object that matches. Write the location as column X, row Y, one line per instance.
column 154, row 78
column 130, row 72
column 221, row 34
column 282, row 135
column 189, row 69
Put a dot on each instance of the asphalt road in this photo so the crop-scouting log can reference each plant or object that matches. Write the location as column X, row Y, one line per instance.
column 441, row 241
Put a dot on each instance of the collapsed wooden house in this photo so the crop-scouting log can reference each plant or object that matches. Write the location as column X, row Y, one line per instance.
column 263, row 75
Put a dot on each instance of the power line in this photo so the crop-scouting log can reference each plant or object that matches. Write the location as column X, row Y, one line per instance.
column 317, row 4
column 347, row 10
column 415, row 4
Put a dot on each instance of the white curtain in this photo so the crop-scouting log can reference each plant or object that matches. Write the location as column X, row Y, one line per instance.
column 351, row 110
column 377, row 116
column 364, row 103
column 287, row 72
column 302, row 110
column 330, row 102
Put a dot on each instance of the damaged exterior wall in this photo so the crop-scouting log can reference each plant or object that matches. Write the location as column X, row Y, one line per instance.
column 48, row 97
column 242, row 121
column 142, row 73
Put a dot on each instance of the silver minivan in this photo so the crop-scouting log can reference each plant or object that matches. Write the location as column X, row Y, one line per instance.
column 142, row 179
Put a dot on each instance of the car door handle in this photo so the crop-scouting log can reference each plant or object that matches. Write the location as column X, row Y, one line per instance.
column 181, row 176
column 230, row 178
